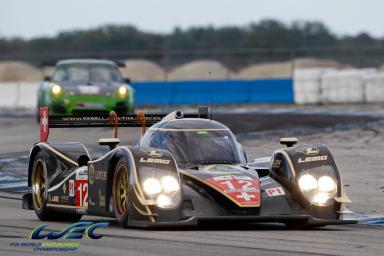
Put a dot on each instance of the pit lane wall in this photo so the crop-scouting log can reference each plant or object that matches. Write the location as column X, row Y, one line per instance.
column 308, row 86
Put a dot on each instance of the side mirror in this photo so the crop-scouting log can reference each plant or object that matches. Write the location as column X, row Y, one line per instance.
column 127, row 80
column 289, row 142
column 47, row 79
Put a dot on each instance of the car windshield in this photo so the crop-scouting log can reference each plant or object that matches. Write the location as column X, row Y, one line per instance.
column 87, row 73
column 197, row 147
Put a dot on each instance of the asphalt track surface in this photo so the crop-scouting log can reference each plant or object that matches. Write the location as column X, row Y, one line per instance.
column 356, row 141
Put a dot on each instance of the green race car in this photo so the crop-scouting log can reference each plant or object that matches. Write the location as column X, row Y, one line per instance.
column 82, row 86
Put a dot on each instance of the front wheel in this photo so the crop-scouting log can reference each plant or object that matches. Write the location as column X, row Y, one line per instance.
column 121, row 193
column 39, row 193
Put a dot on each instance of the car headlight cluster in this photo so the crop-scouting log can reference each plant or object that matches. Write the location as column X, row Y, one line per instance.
column 165, row 191
column 317, row 191
column 56, row 90
column 122, row 92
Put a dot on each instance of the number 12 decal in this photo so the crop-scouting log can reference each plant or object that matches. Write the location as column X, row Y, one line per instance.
column 81, row 193
column 246, row 184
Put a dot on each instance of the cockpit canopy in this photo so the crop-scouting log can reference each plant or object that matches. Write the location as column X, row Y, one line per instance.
column 195, row 142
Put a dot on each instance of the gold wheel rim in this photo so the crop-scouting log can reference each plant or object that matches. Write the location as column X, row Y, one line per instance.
column 121, row 190
column 38, row 185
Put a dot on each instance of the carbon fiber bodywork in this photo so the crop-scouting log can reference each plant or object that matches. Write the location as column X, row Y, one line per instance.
column 274, row 197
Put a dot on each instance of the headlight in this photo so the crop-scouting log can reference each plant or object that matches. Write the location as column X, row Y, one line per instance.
column 307, row 182
column 163, row 201
column 166, row 193
column 56, row 90
column 170, row 184
column 152, row 186
column 320, row 199
column 122, row 92
column 326, row 184
column 317, row 191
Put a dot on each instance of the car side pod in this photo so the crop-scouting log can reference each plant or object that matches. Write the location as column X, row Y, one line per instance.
column 289, row 142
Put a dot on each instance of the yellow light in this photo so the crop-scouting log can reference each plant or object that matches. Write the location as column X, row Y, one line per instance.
column 56, row 89
column 163, row 201
column 326, row 184
column 123, row 91
column 170, row 184
column 320, row 198
column 151, row 186
column 307, row 182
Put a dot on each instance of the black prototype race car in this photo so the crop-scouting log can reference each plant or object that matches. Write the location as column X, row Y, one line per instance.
column 184, row 170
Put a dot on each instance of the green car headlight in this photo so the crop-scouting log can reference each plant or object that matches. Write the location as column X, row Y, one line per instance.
column 122, row 92
column 56, row 90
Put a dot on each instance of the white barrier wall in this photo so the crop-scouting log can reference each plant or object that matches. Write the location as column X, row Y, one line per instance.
column 338, row 86
column 374, row 87
column 306, row 85
column 18, row 94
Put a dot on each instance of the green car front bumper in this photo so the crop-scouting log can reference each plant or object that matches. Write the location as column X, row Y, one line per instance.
column 72, row 105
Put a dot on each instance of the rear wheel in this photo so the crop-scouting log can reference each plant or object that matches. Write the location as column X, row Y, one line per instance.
column 39, row 184
column 121, row 193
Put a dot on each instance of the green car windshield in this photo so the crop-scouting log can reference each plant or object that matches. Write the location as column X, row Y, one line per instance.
column 87, row 73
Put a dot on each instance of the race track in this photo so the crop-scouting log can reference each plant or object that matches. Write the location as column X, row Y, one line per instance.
column 356, row 141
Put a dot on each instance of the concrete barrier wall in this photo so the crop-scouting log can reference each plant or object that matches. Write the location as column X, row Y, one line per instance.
column 338, row 86
column 18, row 95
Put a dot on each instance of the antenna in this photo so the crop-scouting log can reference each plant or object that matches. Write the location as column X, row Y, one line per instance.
column 211, row 93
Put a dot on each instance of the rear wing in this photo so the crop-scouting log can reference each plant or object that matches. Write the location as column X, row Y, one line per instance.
column 111, row 120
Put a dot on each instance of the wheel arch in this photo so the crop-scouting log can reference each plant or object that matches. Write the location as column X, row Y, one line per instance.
column 35, row 149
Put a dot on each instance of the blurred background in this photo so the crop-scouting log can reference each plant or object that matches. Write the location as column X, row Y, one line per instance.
column 271, row 51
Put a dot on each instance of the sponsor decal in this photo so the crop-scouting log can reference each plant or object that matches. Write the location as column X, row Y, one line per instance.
column 223, row 169
column 154, row 160
column 64, row 188
column 312, row 159
column 71, row 185
column 265, row 181
column 91, row 174
column 101, row 199
column 53, row 199
column 309, row 151
column 100, row 175
column 276, row 163
column 245, row 191
column 82, row 173
column 278, row 191
column 98, row 118
column 152, row 152
column 81, row 193
column 64, row 198
column 230, row 177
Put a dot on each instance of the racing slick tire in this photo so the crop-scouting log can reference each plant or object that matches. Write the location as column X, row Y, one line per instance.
column 39, row 193
column 120, row 193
